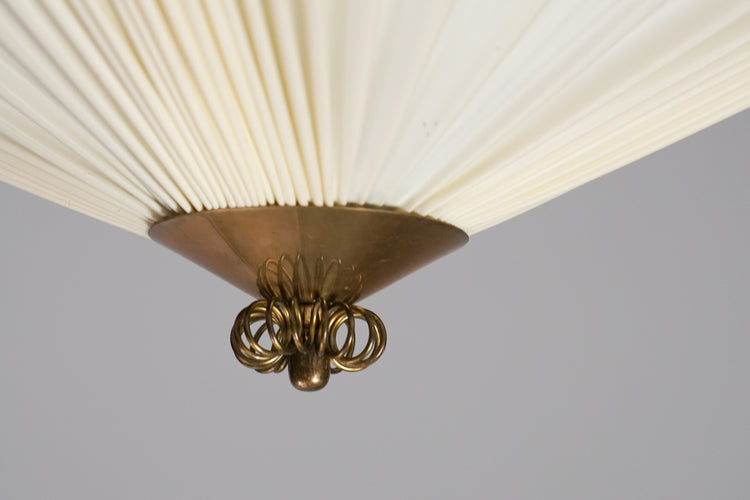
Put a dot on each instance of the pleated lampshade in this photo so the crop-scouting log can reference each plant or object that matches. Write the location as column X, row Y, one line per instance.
column 263, row 140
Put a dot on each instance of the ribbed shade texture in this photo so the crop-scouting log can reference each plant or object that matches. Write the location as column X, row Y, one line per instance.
column 467, row 111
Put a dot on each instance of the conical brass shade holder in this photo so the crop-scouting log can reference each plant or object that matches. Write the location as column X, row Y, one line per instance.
column 309, row 265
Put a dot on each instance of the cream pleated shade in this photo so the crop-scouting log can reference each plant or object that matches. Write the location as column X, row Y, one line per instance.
column 467, row 111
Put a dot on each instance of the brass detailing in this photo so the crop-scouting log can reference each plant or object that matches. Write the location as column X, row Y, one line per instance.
column 310, row 264
column 306, row 306
column 305, row 336
column 381, row 244
column 297, row 279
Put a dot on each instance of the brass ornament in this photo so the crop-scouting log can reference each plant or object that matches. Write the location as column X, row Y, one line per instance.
column 305, row 338
column 300, row 322
column 309, row 265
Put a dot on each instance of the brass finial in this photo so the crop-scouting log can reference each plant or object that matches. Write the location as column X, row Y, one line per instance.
column 306, row 338
column 309, row 371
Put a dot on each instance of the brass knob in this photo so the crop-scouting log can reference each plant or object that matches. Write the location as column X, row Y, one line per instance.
column 309, row 371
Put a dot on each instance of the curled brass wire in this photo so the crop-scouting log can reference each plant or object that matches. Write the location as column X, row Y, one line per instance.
column 344, row 358
column 307, row 279
column 267, row 333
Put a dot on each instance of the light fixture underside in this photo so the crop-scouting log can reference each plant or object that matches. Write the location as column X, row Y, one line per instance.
column 309, row 265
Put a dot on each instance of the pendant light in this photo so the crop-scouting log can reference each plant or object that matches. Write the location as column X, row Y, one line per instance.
column 311, row 153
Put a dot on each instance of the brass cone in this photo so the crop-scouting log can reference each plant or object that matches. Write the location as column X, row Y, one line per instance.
column 382, row 245
column 310, row 264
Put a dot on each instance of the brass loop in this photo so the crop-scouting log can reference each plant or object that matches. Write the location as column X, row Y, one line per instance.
column 295, row 327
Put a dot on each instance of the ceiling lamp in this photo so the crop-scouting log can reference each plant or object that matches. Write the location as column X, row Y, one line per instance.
column 311, row 153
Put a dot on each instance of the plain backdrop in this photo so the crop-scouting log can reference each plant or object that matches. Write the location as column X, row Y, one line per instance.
column 595, row 347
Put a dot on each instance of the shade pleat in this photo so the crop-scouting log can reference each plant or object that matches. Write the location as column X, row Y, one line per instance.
column 469, row 111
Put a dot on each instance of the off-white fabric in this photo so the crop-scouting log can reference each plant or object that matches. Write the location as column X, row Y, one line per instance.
column 468, row 111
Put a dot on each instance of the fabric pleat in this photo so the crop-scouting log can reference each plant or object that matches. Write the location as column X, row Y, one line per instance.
column 468, row 111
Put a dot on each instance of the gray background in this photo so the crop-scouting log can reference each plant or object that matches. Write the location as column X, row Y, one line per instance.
column 596, row 347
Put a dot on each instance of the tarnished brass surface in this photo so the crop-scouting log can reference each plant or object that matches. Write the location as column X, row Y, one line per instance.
column 309, row 371
column 270, row 335
column 379, row 244
column 310, row 264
